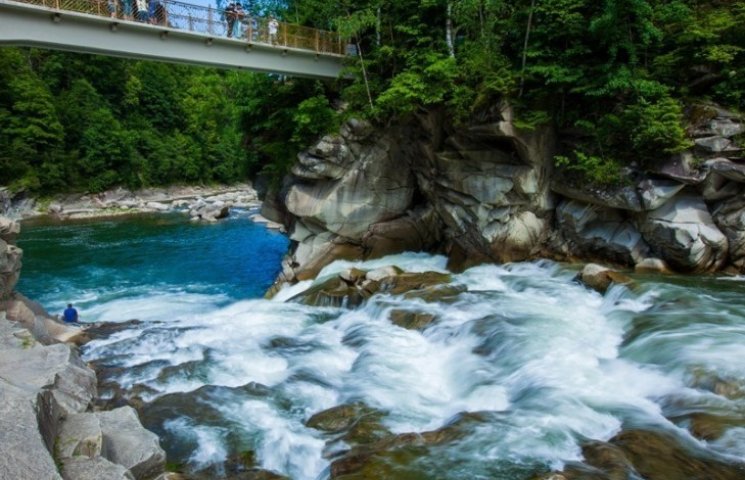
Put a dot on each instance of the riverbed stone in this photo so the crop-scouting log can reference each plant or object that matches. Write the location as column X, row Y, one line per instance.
column 98, row 468
column 600, row 278
column 411, row 320
column 683, row 233
column 126, row 442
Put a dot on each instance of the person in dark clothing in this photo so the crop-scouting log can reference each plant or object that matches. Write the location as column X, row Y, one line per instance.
column 231, row 15
column 70, row 314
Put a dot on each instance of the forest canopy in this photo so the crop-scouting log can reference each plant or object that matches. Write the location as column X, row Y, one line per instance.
column 615, row 77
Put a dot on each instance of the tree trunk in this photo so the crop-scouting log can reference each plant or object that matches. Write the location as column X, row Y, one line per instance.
column 449, row 30
column 525, row 47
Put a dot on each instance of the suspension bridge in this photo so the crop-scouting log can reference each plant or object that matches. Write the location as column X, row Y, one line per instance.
column 172, row 31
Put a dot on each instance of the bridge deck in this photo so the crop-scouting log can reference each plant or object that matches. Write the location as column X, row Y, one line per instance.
column 172, row 31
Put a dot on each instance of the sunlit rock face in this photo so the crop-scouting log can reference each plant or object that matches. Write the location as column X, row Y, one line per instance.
column 488, row 192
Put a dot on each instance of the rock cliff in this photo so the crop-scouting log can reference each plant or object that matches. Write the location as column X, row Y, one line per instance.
column 489, row 192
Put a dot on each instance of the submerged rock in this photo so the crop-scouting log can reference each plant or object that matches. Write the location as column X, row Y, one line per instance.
column 384, row 458
column 652, row 455
column 411, row 320
column 600, row 278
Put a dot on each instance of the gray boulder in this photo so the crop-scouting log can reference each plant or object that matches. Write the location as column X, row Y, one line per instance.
column 683, row 233
column 374, row 188
column 597, row 232
column 126, row 442
column 80, row 435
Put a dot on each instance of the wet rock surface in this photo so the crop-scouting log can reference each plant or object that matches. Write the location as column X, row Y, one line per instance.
column 600, row 278
column 652, row 455
column 351, row 288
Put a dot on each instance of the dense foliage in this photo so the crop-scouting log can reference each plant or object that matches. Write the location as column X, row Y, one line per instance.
column 87, row 123
column 614, row 76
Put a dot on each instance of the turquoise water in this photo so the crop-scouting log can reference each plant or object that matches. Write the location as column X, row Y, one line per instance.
column 102, row 264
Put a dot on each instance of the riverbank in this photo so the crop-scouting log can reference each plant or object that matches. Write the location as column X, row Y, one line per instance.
column 201, row 203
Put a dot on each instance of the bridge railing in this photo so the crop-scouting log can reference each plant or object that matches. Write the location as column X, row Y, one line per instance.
column 205, row 20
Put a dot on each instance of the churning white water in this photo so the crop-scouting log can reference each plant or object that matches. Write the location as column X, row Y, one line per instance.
column 549, row 362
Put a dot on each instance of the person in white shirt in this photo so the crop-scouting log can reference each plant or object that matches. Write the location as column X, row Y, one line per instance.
column 273, row 29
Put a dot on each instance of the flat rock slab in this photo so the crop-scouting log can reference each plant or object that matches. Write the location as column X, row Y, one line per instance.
column 84, row 468
column 128, row 443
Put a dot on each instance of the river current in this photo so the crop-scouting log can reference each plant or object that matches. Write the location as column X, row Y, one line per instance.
column 549, row 363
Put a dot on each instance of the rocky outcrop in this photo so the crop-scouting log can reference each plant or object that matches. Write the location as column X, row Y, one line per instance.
column 683, row 233
column 482, row 191
column 45, row 394
column 488, row 192
column 490, row 185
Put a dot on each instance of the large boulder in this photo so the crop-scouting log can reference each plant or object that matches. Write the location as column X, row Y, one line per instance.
column 373, row 188
column 593, row 231
column 126, row 442
column 683, row 233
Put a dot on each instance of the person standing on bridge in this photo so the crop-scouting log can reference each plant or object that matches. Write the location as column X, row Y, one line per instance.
column 141, row 10
column 127, row 9
column 111, row 4
column 231, row 15
column 273, row 29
